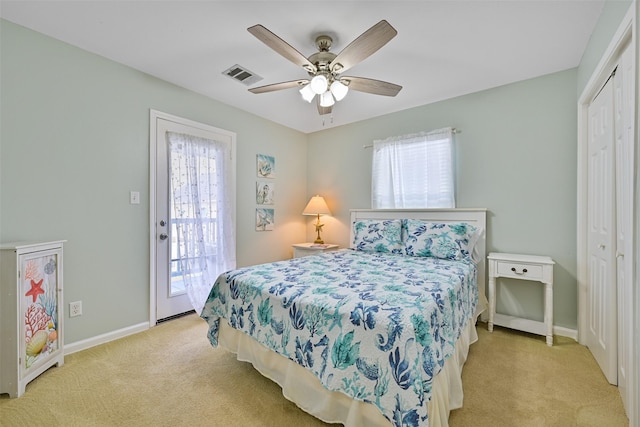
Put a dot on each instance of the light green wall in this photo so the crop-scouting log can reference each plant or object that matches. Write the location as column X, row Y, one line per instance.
column 612, row 14
column 74, row 142
column 515, row 156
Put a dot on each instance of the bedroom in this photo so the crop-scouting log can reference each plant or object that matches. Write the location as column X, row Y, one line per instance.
column 68, row 164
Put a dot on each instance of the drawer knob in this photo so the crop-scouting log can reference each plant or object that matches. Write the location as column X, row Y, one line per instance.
column 524, row 270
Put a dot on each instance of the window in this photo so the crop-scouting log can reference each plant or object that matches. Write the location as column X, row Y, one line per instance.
column 413, row 171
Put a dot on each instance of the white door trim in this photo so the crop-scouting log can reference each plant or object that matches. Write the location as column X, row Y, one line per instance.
column 625, row 34
column 154, row 116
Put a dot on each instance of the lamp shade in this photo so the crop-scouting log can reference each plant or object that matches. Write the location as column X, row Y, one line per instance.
column 326, row 99
column 319, row 84
column 339, row 90
column 316, row 206
column 307, row 93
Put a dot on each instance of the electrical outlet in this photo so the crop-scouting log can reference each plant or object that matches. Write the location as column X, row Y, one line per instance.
column 75, row 308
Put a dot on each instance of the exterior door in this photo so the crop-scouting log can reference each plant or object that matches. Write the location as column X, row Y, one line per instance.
column 601, row 239
column 171, row 296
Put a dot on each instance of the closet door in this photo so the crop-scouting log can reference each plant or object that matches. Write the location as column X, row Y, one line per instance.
column 624, row 148
column 601, row 291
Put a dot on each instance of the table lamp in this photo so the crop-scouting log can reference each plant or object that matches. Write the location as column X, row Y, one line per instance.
column 317, row 206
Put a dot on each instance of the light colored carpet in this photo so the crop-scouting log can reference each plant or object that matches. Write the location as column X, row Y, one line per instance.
column 513, row 378
column 171, row 376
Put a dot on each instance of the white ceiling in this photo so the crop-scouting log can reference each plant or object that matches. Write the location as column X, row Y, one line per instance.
column 443, row 48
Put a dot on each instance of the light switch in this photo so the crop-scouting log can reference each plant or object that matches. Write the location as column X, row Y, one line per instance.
column 134, row 197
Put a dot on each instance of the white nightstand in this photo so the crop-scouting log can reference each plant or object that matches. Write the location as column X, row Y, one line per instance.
column 306, row 249
column 524, row 267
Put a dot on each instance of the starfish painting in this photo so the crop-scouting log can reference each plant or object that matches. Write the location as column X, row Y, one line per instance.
column 36, row 289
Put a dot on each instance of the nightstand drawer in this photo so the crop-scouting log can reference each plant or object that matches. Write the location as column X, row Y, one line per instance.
column 520, row 271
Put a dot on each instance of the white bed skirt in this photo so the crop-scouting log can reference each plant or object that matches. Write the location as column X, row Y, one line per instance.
column 304, row 389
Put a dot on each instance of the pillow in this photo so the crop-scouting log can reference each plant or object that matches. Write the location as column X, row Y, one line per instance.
column 453, row 241
column 473, row 247
column 376, row 235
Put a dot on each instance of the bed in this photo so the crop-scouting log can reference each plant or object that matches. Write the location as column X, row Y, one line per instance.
column 371, row 335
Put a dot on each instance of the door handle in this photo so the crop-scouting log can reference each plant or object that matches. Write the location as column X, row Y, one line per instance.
column 619, row 254
column 163, row 236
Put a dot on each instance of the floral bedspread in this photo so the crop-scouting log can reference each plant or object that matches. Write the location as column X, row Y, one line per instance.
column 375, row 326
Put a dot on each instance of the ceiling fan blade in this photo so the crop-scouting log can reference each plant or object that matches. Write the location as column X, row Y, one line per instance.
column 282, row 47
column 323, row 110
column 279, row 86
column 376, row 87
column 364, row 46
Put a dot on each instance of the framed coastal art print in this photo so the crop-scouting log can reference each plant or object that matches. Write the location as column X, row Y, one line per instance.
column 264, row 193
column 264, row 219
column 265, row 166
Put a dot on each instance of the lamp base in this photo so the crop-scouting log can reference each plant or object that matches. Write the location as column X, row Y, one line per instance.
column 318, row 228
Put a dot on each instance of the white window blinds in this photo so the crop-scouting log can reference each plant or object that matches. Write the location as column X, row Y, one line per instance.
column 413, row 171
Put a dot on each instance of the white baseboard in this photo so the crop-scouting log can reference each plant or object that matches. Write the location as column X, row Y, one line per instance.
column 565, row 332
column 104, row 338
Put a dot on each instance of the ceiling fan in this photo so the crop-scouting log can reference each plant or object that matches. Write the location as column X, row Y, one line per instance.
column 325, row 68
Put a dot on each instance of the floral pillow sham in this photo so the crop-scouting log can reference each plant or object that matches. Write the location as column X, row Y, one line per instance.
column 372, row 235
column 453, row 241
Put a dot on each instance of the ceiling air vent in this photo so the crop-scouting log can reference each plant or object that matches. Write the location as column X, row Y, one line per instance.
column 242, row 75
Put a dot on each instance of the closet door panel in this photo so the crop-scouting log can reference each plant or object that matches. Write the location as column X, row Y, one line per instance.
column 601, row 292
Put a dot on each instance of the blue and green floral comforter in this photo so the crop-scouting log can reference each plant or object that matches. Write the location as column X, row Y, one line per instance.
column 375, row 326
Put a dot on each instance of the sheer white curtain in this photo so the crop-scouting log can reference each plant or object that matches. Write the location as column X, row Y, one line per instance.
column 413, row 171
column 201, row 211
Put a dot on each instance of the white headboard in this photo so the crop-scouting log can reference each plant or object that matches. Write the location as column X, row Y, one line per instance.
column 474, row 216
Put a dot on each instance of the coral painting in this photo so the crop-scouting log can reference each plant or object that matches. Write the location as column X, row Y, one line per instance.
column 40, row 304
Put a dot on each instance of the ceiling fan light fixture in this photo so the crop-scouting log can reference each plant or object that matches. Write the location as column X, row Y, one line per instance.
column 339, row 90
column 307, row 93
column 319, row 84
column 325, row 68
column 326, row 99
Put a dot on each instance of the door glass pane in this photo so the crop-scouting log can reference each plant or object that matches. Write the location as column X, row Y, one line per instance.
column 193, row 211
